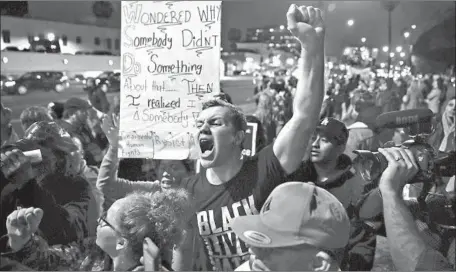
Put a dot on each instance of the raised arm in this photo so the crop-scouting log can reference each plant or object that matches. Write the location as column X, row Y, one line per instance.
column 108, row 183
column 306, row 24
column 113, row 187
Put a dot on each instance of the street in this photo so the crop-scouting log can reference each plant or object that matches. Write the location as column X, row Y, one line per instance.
column 239, row 88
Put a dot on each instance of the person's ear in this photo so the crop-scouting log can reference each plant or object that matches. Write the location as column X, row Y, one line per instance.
column 121, row 243
column 239, row 137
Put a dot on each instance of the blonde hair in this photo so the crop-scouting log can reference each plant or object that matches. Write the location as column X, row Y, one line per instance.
column 159, row 216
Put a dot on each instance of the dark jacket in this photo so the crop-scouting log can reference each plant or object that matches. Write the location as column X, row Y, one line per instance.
column 81, row 256
column 64, row 200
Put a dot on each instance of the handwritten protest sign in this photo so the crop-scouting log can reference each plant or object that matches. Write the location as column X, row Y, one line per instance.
column 170, row 64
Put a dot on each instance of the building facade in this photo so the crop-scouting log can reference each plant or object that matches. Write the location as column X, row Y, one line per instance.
column 20, row 32
column 86, row 26
column 274, row 36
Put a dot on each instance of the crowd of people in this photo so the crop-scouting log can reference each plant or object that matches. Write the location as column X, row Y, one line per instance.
column 298, row 204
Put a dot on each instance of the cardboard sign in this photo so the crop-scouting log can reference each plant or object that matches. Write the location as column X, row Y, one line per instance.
column 170, row 64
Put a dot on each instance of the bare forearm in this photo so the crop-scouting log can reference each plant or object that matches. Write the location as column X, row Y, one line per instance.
column 310, row 90
column 292, row 141
column 404, row 240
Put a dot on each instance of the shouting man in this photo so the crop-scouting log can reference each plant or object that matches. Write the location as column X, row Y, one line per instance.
column 230, row 186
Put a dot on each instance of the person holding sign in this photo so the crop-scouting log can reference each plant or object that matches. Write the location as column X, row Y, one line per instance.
column 230, row 186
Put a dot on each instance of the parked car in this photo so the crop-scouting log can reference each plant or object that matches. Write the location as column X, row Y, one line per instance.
column 82, row 53
column 45, row 80
column 102, row 53
column 5, row 83
column 11, row 48
column 109, row 81
column 79, row 79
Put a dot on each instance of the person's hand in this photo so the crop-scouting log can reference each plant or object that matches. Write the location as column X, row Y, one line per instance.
column 16, row 167
column 151, row 256
column 306, row 24
column 21, row 225
column 401, row 168
column 110, row 126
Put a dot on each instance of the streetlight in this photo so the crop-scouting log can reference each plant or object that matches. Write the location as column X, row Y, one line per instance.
column 271, row 30
column 391, row 55
column 363, row 40
column 406, row 34
column 51, row 36
column 385, row 48
column 350, row 22
column 389, row 6
column 282, row 27
column 398, row 49
column 413, row 26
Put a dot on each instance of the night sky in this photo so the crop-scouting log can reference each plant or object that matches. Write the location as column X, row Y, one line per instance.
column 369, row 16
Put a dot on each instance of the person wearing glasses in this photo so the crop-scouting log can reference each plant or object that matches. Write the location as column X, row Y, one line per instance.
column 124, row 232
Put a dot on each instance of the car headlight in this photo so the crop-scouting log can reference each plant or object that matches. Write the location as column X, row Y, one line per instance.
column 84, row 81
column 10, row 83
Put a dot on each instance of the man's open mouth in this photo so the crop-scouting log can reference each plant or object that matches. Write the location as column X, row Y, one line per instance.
column 206, row 146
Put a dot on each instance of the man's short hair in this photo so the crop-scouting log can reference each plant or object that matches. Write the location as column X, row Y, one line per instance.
column 237, row 117
column 34, row 114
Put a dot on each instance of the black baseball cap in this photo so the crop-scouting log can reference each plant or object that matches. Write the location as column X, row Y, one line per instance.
column 77, row 104
column 334, row 129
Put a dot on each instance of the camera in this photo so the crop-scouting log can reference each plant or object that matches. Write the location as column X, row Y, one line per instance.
column 418, row 123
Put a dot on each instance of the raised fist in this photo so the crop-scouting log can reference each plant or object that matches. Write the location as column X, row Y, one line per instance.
column 21, row 224
column 306, row 24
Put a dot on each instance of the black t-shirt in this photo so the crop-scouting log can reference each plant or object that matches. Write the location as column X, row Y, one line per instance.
column 217, row 205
